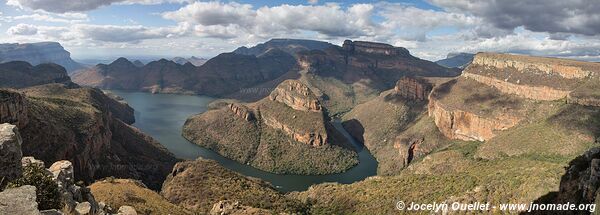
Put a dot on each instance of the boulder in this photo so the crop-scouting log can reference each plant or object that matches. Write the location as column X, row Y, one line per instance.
column 31, row 161
column 10, row 153
column 62, row 172
column 20, row 200
column 126, row 210
column 83, row 208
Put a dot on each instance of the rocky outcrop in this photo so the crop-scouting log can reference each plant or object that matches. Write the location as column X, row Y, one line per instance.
column 242, row 111
column 13, row 108
column 413, row 88
column 296, row 95
column 530, row 77
column 20, row 74
column 10, row 153
column 374, row 48
column 38, row 53
column 20, row 200
column 231, row 207
column 316, row 139
column 543, row 93
column 465, row 125
column 569, row 69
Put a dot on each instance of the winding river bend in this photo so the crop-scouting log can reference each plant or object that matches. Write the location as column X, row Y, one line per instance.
column 163, row 115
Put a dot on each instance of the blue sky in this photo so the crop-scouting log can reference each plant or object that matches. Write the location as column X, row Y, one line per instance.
column 430, row 29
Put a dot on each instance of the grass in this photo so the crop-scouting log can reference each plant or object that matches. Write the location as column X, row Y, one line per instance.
column 119, row 192
column 197, row 185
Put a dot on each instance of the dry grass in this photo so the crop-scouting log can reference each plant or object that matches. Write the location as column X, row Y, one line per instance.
column 119, row 192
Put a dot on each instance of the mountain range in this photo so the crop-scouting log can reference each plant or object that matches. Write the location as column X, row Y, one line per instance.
column 38, row 53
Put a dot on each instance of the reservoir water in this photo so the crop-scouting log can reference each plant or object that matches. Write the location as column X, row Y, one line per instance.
column 163, row 115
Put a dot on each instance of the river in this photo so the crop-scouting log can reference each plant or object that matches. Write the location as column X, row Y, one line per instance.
column 163, row 115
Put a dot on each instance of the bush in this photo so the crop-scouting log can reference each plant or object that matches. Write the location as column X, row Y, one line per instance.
column 48, row 195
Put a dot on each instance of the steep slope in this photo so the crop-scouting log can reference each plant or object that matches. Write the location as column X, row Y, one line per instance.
column 197, row 185
column 38, row 53
column 193, row 60
column 87, row 127
column 290, row 46
column 20, row 74
column 456, row 60
column 395, row 127
column 511, row 89
column 528, row 141
column 287, row 132
column 357, row 72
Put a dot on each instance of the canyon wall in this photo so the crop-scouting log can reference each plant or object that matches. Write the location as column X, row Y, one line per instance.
column 413, row 88
column 374, row 48
column 88, row 128
column 464, row 125
column 509, row 80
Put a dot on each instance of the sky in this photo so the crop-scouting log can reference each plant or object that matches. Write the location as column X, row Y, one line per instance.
column 430, row 29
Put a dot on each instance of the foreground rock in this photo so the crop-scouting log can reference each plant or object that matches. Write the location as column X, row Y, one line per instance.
column 197, row 185
column 288, row 132
column 10, row 153
column 19, row 200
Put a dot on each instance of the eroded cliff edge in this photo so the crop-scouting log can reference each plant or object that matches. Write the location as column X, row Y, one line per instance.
column 509, row 89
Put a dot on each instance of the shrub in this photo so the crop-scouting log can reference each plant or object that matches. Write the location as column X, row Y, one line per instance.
column 48, row 195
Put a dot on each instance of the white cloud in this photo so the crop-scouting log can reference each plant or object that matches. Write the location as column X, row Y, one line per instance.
column 22, row 29
column 64, row 6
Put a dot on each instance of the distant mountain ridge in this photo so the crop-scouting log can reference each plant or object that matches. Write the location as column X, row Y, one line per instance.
column 193, row 60
column 290, row 46
column 38, row 53
column 21, row 74
column 457, row 60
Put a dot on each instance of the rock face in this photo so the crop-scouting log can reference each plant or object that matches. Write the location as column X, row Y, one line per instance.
column 38, row 53
column 413, row 88
column 296, row 95
column 464, row 125
column 20, row 200
column 510, row 81
column 13, row 108
column 10, row 153
column 88, row 128
column 581, row 180
column 20, row 74
column 530, row 77
column 242, row 111
column 374, row 48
